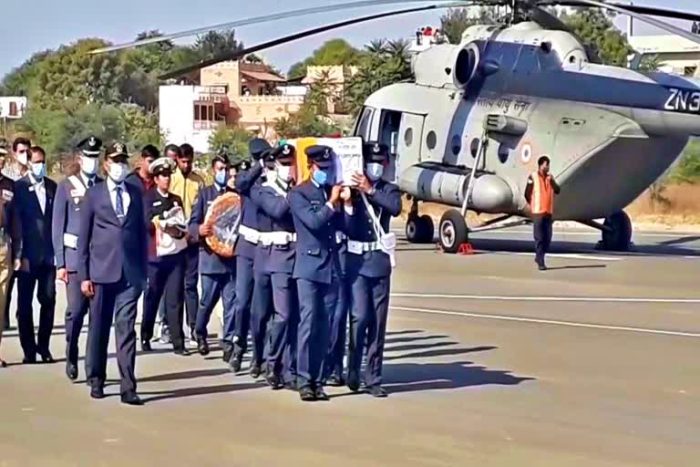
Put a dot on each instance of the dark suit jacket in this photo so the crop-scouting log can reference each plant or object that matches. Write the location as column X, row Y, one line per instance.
column 36, row 245
column 209, row 262
column 107, row 248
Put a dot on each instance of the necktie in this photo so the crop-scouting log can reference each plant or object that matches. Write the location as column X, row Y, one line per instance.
column 120, row 203
column 91, row 182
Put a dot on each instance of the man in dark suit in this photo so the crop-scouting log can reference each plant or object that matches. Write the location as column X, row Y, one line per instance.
column 35, row 194
column 368, row 213
column 66, row 224
column 317, row 267
column 112, row 255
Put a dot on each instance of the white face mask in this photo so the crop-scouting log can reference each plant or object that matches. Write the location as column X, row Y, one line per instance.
column 284, row 172
column 22, row 158
column 88, row 165
column 118, row 171
column 375, row 171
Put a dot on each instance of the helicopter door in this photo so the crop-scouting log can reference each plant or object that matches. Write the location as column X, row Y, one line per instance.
column 408, row 142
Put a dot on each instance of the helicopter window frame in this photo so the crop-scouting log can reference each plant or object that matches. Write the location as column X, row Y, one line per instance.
column 363, row 127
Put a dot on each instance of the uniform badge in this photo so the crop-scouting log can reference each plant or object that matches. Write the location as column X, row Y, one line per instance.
column 157, row 203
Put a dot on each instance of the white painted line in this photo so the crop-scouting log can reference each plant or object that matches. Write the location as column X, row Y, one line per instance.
column 528, row 298
column 572, row 324
column 591, row 256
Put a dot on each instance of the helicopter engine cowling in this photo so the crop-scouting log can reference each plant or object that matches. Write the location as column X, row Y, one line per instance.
column 448, row 185
column 456, row 65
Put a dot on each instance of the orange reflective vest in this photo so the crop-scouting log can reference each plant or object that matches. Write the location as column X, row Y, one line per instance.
column 542, row 201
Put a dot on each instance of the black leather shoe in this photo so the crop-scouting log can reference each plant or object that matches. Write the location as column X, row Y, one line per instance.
column 46, row 357
column 255, row 371
column 235, row 362
column 307, row 394
column 542, row 267
column 97, row 392
column 335, row 380
column 131, row 398
column 29, row 360
column 146, row 345
column 202, row 346
column 377, row 391
column 274, row 381
column 181, row 352
column 320, row 394
column 71, row 371
column 353, row 381
column 228, row 353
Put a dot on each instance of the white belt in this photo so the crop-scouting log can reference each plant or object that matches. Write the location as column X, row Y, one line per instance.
column 70, row 241
column 277, row 238
column 356, row 247
column 251, row 235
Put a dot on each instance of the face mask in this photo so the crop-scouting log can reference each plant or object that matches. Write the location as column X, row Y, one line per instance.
column 22, row 158
column 117, row 171
column 221, row 177
column 375, row 171
column 38, row 170
column 89, row 165
column 284, row 173
column 320, row 177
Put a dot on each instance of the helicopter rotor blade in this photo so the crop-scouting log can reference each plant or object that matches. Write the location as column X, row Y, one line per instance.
column 268, row 18
column 641, row 9
column 303, row 34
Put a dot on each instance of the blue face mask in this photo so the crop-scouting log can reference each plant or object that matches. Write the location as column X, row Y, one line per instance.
column 38, row 170
column 221, row 177
column 320, row 177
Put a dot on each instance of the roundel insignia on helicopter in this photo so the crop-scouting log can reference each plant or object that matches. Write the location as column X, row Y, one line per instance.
column 526, row 153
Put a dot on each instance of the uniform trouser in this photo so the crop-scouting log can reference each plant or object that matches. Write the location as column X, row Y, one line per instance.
column 339, row 302
column 280, row 330
column 260, row 313
column 43, row 278
column 5, row 273
column 215, row 286
column 191, row 294
column 113, row 302
column 76, row 309
column 542, row 230
column 8, row 298
column 368, row 318
column 244, row 295
column 312, row 339
column 164, row 281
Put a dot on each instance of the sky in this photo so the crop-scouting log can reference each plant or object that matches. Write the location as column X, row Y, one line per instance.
column 33, row 25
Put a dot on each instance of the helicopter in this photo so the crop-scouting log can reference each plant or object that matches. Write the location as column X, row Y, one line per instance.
column 469, row 129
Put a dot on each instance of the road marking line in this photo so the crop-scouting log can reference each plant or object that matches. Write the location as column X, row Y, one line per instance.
column 572, row 324
column 503, row 298
column 591, row 256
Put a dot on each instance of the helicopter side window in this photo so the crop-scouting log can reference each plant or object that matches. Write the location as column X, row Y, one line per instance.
column 389, row 129
column 364, row 123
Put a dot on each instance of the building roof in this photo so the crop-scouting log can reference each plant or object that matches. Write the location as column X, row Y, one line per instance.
column 664, row 43
column 263, row 76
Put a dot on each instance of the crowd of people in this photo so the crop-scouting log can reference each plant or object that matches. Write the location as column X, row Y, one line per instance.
column 313, row 259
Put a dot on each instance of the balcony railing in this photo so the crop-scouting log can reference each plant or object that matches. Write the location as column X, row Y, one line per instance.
column 215, row 94
column 271, row 100
column 207, row 124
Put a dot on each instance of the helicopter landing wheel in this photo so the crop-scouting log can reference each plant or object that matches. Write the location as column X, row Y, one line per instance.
column 617, row 233
column 452, row 231
column 419, row 229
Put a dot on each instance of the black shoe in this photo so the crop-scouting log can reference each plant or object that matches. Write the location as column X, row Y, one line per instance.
column 255, row 371
column 97, row 392
column 131, row 398
column 353, row 381
column 335, row 380
column 146, row 345
column 181, row 351
column 275, row 381
column 377, row 391
column 320, row 394
column 46, row 357
column 29, row 360
column 71, row 371
column 542, row 267
column 228, row 352
column 202, row 346
column 235, row 361
column 307, row 394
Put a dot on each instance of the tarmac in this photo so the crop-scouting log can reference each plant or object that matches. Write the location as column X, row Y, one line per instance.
column 488, row 362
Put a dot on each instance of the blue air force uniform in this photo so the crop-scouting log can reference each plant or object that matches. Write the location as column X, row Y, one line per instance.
column 66, row 226
column 34, row 206
column 112, row 250
column 274, row 264
column 245, row 254
column 165, row 271
column 317, row 265
column 368, row 272
column 218, row 275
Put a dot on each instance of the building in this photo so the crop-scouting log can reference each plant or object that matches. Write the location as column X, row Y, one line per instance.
column 12, row 107
column 249, row 95
column 333, row 78
column 676, row 54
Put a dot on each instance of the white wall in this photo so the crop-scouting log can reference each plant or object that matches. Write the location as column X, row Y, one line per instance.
column 176, row 117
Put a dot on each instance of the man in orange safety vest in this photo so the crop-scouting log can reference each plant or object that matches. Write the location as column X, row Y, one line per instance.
column 539, row 193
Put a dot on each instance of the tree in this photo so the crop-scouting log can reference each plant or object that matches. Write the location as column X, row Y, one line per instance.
column 305, row 122
column 235, row 138
column 456, row 20
column 597, row 31
column 688, row 168
column 332, row 52
column 216, row 43
column 20, row 81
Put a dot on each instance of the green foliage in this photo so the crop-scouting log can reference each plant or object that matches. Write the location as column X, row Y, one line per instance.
column 236, row 139
column 595, row 28
column 332, row 52
column 21, row 80
column 650, row 63
column 384, row 63
column 688, row 168
column 216, row 43
column 305, row 122
column 456, row 20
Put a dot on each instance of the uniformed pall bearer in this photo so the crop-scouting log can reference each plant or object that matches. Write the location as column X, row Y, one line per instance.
column 218, row 274
column 166, row 258
column 66, row 225
column 539, row 193
column 315, row 209
column 275, row 261
column 369, row 264
column 245, row 256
